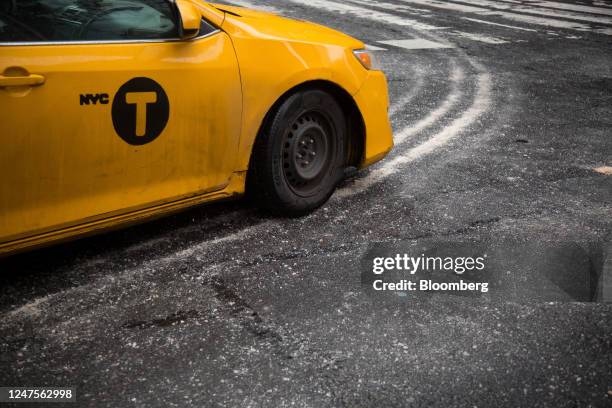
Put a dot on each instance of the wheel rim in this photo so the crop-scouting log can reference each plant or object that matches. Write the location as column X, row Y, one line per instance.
column 308, row 149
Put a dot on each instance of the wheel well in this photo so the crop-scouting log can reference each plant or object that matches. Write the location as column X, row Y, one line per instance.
column 355, row 126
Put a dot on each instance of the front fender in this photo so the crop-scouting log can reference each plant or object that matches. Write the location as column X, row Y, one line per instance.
column 271, row 65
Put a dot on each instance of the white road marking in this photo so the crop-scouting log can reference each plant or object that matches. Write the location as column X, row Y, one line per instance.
column 408, row 96
column 416, row 44
column 374, row 48
column 478, row 107
column 601, row 3
column 480, row 38
column 498, row 24
column 393, row 7
column 254, row 6
column 406, row 134
column 480, row 104
column 504, row 11
column 447, row 6
column 412, row 130
column 423, row 44
column 566, row 6
column 606, row 31
column 362, row 12
column 549, row 22
column 543, row 21
column 496, row 5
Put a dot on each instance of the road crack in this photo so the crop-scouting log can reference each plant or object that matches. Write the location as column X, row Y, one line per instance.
column 238, row 308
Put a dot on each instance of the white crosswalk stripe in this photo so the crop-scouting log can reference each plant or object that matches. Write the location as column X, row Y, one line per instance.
column 487, row 39
column 362, row 12
column 498, row 24
column 547, row 12
column 416, row 44
column 523, row 18
column 374, row 48
column 469, row 36
column 481, row 11
column 601, row 3
column 565, row 6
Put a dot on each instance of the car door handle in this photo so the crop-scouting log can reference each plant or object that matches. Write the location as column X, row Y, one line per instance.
column 29, row 80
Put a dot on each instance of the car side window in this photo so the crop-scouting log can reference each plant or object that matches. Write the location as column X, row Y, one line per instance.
column 86, row 20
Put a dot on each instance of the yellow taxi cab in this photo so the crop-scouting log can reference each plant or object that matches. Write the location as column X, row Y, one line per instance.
column 115, row 111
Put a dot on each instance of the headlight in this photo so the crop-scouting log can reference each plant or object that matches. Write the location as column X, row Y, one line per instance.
column 367, row 59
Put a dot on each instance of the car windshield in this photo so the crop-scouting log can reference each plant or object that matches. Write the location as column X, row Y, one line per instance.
column 69, row 20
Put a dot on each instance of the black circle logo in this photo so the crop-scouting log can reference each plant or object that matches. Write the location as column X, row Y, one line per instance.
column 140, row 111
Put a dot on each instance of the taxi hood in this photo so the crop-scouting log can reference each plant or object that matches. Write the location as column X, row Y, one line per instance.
column 268, row 24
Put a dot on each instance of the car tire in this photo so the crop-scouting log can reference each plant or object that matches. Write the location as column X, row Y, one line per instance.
column 299, row 156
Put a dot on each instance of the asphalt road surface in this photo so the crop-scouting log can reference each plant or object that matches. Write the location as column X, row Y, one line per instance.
column 502, row 114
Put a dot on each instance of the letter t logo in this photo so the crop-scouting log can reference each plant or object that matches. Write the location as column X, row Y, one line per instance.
column 141, row 99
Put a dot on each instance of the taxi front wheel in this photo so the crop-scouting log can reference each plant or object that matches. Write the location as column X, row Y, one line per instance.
column 298, row 158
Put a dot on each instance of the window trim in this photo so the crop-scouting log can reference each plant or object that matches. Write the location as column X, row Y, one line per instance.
column 177, row 17
column 99, row 42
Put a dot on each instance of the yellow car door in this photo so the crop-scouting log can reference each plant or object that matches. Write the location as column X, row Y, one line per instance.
column 105, row 110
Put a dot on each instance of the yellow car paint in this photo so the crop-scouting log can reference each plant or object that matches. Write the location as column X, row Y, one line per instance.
column 373, row 102
column 67, row 173
column 190, row 18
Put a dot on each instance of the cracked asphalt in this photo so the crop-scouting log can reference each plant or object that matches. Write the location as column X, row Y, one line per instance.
column 497, row 143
